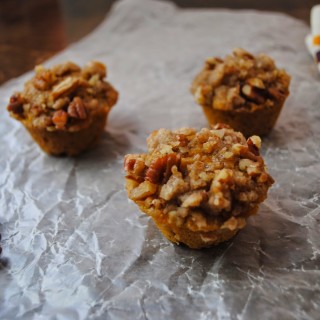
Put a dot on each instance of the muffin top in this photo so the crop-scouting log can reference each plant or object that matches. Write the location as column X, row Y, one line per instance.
column 64, row 97
column 240, row 82
column 209, row 175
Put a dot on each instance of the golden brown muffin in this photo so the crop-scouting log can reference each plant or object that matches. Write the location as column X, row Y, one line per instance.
column 199, row 187
column 244, row 91
column 65, row 108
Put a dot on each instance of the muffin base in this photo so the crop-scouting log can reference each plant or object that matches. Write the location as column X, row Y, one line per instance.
column 59, row 143
column 209, row 236
column 257, row 122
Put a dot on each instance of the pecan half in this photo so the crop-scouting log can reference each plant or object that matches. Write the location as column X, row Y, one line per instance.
column 160, row 168
column 77, row 109
column 66, row 86
column 15, row 104
column 60, row 119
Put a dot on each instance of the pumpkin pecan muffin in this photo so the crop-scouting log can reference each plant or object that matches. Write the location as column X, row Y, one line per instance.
column 65, row 108
column 244, row 91
column 199, row 187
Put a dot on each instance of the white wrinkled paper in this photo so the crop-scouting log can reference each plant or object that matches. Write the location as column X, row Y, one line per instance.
column 78, row 249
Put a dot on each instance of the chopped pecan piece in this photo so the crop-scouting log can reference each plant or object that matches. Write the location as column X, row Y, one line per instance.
column 194, row 199
column 234, row 97
column 252, row 93
column 252, row 146
column 277, row 93
column 60, row 103
column 239, row 52
column 256, row 82
column 60, row 119
column 42, row 121
column 217, row 75
column 183, row 140
column 203, row 95
column 77, row 109
column 44, row 79
column 16, row 104
column 143, row 190
column 174, row 186
column 64, row 68
column 134, row 167
column 36, row 111
column 129, row 163
column 219, row 126
column 95, row 67
column 211, row 62
column 160, row 169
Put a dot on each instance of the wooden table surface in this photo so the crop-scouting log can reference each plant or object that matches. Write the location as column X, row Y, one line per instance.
column 33, row 30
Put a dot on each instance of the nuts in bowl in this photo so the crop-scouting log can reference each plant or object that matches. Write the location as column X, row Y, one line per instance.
column 199, row 187
column 244, row 91
column 65, row 108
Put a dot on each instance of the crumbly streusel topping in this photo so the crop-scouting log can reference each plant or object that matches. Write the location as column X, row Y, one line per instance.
column 209, row 173
column 63, row 97
column 240, row 81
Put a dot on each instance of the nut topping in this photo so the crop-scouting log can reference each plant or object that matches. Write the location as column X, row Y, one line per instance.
column 64, row 68
column 256, row 82
column 160, row 168
column 65, row 87
column 253, row 145
column 252, row 93
column 143, row 190
column 77, row 109
column 44, row 78
column 60, row 103
column 277, row 93
column 95, row 67
column 16, row 104
column 60, row 119
column 183, row 140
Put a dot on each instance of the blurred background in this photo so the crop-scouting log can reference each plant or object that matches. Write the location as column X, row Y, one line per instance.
column 33, row 30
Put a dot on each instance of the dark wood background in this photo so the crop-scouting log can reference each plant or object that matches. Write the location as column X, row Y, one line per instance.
column 33, row 30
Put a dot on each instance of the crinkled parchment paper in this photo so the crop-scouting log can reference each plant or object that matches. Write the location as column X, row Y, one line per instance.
column 78, row 249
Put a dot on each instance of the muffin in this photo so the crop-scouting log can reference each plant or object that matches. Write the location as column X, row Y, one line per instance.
column 65, row 108
column 198, row 187
column 244, row 91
